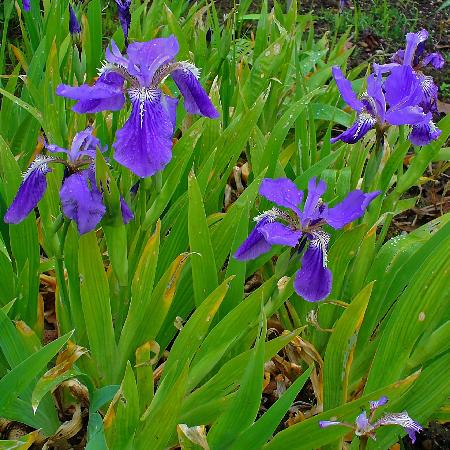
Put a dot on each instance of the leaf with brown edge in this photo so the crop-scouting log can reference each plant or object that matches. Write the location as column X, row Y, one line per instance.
column 62, row 371
column 192, row 438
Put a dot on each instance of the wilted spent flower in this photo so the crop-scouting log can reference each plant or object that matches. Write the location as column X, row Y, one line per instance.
column 300, row 228
column 144, row 143
column 81, row 199
column 366, row 427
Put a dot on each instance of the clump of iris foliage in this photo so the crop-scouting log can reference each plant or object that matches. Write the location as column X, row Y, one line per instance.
column 148, row 173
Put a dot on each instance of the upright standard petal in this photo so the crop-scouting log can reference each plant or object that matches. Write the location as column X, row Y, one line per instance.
column 424, row 133
column 145, row 58
column 363, row 124
column 283, row 192
column 127, row 214
column 312, row 209
column 106, row 94
column 26, row 5
column 402, row 88
column 276, row 233
column 30, row 191
column 412, row 42
column 113, row 55
column 363, row 426
column 81, row 200
column 313, row 280
column 377, row 403
column 84, row 144
column 255, row 244
column 74, row 25
column 196, row 100
column 435, row 59
column 144, row 143
column 351, row 208
column 346, row 90
column 376, row 96
column 398, row 57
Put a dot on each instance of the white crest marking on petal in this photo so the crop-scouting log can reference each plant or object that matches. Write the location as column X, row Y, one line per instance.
column 190, row 67
column 271, row 215
column 320, row 241
column 401, row 419
column 39, row 163
column 363, row 118
column 143, row 95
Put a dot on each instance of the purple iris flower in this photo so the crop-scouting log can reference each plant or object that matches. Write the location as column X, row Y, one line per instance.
column 144, row 143
column 74, row 25
column 81, row 200
column 296, row 228
column 414, row 56
column 395, row 100
column 365, row 426
column 344, row 4
column 123, row 8
column 26, row 5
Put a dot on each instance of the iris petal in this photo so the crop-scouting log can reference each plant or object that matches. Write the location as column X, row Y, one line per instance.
column 402, row 419
column 196, row 100
column 351, row 208
column 255, row 244
column 435, row 59
column 312, row 210
column 362, row 423
column 313, row 280
column 283, row 192
column 144, row 143
column 375, row 91
column 412, row 42
column 276, row 233
column 345, row 88
column 145, row 58
column 328, row 423
column 105, row 94
column 114, row 56
column 30, row 191
column 363, row 124
column 424, row 133
column 408, row 115
column 402, row 88
column 81, row 200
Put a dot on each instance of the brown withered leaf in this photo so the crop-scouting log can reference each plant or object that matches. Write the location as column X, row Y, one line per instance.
column 68, row 429
column 300, row 350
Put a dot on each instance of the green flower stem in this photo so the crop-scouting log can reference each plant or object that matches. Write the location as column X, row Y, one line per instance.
column 363, row 440
column 64, row 308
